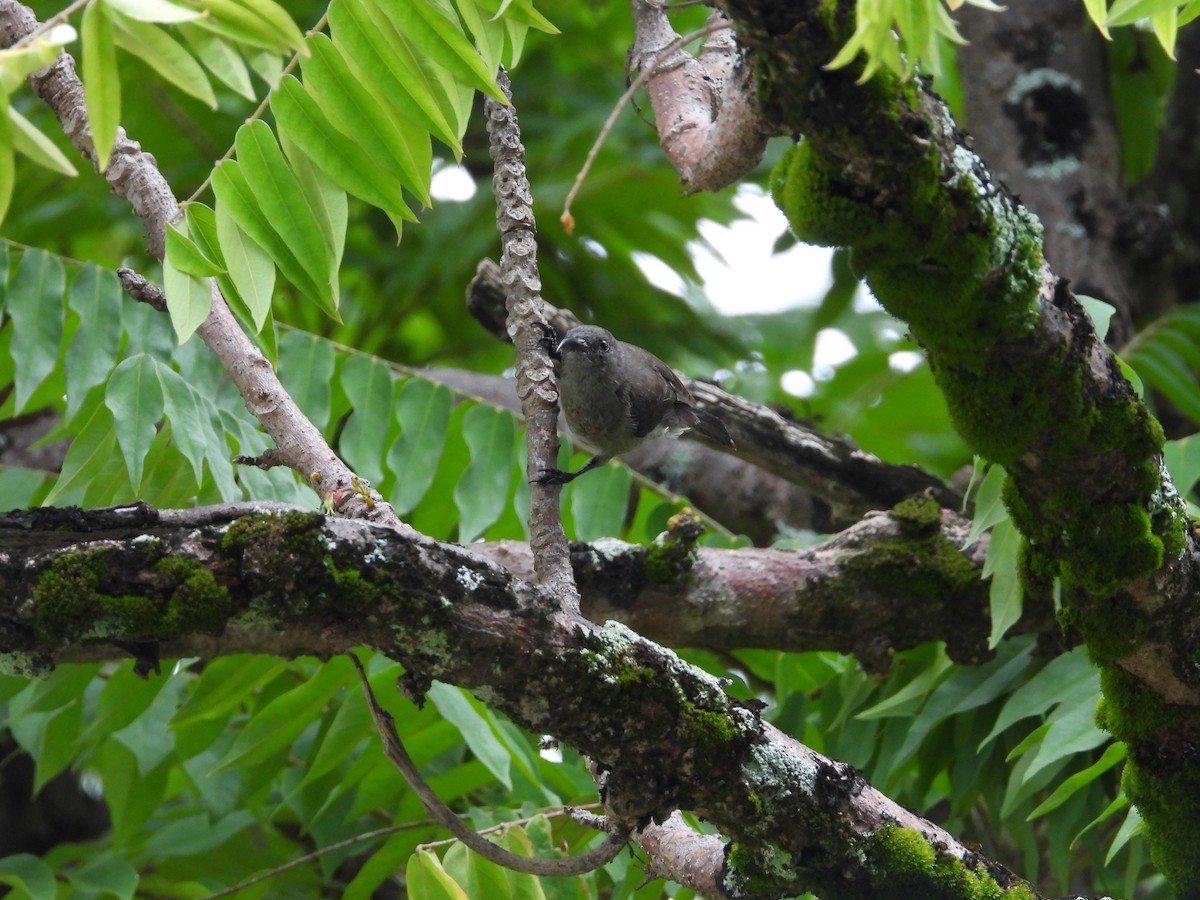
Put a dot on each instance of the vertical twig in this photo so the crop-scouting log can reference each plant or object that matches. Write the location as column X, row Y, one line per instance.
column 535, row 374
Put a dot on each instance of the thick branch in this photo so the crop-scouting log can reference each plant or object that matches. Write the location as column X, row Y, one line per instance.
column 665, row 733
column 705, row 107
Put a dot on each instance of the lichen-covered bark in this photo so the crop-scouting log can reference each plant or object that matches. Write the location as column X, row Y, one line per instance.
column 884, row 170
column 296, row 582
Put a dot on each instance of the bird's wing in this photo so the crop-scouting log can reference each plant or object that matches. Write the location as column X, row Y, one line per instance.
column 648, row 406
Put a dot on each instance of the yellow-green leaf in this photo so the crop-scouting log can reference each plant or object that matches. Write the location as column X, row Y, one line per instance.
column 101, row 81
column 165, row 55
column 31, row 143
column 189, row 299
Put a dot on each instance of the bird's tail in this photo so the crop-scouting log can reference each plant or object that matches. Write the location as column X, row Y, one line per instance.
column 704, row 422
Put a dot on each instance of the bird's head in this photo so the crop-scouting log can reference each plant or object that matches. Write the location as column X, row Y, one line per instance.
column 587, row 344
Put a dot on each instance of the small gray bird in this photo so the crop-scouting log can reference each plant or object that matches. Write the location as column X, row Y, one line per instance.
column 617, row 396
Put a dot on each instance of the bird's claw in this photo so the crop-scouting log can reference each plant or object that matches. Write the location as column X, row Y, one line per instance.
column 554, row 476
column 549, row 339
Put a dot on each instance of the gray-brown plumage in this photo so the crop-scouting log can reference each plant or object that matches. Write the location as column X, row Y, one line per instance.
column 616, row 396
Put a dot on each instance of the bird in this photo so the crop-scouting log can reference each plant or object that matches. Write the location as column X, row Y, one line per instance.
column 616, row 396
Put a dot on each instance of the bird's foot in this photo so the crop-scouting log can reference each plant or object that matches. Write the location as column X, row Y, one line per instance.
column 554, row 476
column 549, row 339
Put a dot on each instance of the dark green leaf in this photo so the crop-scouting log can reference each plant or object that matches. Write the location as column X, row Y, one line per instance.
column 101, row 80
column 95, row 297
column 368, row 384
column 423, row 410
column 35, row 304
column 482, row 491
column 306, row 364
column 28, row 873
column 135, row 399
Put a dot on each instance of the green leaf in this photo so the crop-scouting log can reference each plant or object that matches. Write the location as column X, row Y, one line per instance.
column 394, row 143
column 1099, row 312
column 244, row 22
column 482, row 491
column 426, row 879
column 136, row 402
column 1130, row 827
column 1126, row 12
column 306, row 364
column 479, row 877
column 34, row 145
column 488, row 33
column 124, row 697
column 188, row 424
column 275, row 727
column 600, row 501
column 106, row 873
column 1070, row 677
column 423, row 410
column 90, row 451
column 1072, row 730
column 35, row 305
column 282, row 203
column 327, row 200
column 166, row 56
column 227, row 682
column 186, row 256
column 147, row 735
column 522, row 885
column 372, row 43
column 154, row 11
column 221, row 59
column 1005, row 594
column 1162, row 368
column 460, row 709
column 368, row 384
column 101, row 81
column 49, row 737
column 989, row 505
column 7, row 165
column 189, row 299
column 434, row 27
column 1113, row 755
column 910, row 697
column 338, row 155
column 131, row 798
column 249, row 266
column 17, row 63
column 28, row 873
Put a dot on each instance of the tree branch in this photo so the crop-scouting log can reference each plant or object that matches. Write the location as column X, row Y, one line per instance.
column 133, row 175
column 521, row 290
column 664, row 732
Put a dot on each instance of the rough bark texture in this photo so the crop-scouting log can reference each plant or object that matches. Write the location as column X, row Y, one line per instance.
column 664, row 732
column 948, row 250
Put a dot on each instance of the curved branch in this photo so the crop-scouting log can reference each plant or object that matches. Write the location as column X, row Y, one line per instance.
column 393, row 747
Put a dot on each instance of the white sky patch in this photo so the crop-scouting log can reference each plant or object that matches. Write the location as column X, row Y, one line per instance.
column 905, row 360
column 759, row 281
column 659, row 274
column 798, row 383
column 452, row 183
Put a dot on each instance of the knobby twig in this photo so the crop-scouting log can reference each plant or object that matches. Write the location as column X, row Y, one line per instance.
column 617, row 838
column 522, row 287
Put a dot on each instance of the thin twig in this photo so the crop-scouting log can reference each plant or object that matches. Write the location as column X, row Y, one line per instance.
column 50, row 23
column 555, row 813
column 567, row 866
column 643, row 76
column 317, row 854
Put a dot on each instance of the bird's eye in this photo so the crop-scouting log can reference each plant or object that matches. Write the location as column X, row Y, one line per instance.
column 603, row 345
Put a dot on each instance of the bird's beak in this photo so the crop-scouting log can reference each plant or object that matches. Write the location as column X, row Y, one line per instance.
column 570, row 342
